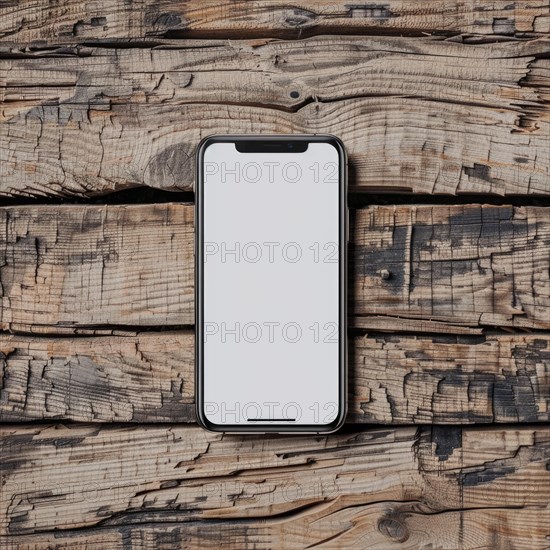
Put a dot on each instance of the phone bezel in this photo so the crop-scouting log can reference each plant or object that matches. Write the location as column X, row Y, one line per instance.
column 343, row 286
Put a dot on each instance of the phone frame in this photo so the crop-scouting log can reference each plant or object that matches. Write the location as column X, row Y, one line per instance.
column 343, row 238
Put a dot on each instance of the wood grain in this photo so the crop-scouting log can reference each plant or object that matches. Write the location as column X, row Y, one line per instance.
column 96, row 302
column 394, row 379
column 420, row 115
column 86, row 267
column 457, row 264
column 399, row 379
column 96, row 265
column 80, row 22
column 373, row 488
column 144, row 378
column 383, row 526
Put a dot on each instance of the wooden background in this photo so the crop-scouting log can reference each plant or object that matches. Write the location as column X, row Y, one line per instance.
column 444, row 108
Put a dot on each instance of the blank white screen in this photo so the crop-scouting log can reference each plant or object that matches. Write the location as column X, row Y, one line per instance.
column 270, row 280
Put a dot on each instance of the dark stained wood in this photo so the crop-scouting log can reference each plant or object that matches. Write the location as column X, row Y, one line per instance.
column 370, row 487
column 420, row 115
column 85, row 267
column 394, row 379
column 75, row 21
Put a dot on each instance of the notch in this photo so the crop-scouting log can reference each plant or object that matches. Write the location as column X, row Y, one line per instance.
column 271, row 146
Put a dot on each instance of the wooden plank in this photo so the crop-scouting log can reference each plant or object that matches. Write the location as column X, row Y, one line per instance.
column 394, row 379
column 400, row 379
column 144, row 378
column 264, row 72
column 96, row 265
column 79, row 22
column 184, row 485
column 87, row 121
column 380, row 525
column 426, row 268
column 471, row 264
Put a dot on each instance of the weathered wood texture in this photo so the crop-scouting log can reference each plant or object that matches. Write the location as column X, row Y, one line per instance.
column 96, row 265
column 394, row 379
column 80, row 21
column 406, row 488
column 472, row 264
column 91, row 266
column 145, row 378
column 382, row 526
column 100, row 97
column 422, row 115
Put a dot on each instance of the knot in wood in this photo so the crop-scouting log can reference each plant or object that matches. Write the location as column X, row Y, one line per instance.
column 393, row 528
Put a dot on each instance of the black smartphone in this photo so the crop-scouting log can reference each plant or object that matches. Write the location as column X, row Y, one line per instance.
column 271, row 233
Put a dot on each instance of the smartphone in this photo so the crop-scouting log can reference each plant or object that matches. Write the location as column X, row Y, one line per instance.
column 271, row 233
